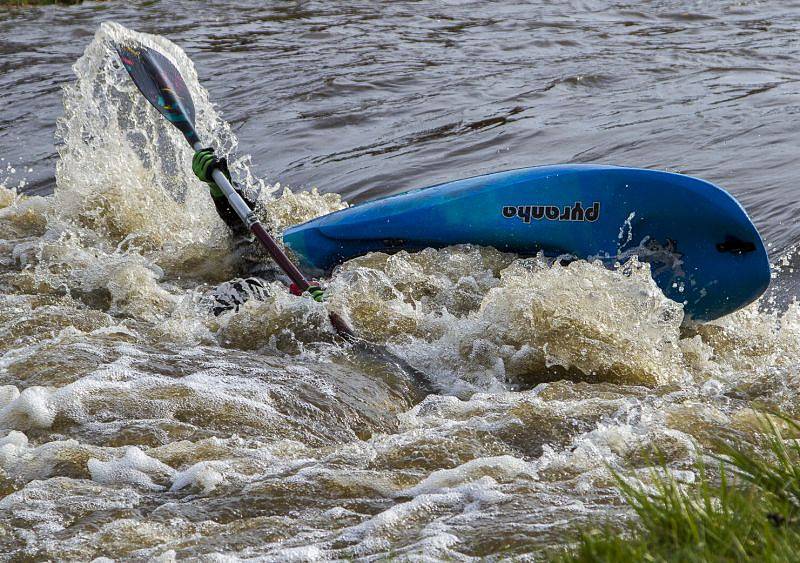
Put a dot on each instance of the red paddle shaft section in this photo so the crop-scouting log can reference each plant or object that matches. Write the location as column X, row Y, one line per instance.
column 296, row 275
column 280, row 258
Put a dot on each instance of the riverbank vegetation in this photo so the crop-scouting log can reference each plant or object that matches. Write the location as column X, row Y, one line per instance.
column 748, row 510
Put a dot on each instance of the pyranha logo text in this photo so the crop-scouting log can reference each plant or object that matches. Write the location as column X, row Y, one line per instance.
column 575, row 212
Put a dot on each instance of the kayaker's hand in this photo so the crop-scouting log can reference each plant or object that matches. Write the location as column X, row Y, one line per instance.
column 316, row 293
column 204, row 162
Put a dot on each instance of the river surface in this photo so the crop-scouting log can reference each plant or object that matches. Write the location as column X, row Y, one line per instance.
column 135, row 425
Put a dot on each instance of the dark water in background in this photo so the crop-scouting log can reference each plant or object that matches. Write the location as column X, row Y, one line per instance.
column 135, row 425
column 372, row 98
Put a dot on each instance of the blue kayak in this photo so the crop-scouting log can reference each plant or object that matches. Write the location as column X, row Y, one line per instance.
column 703, row 250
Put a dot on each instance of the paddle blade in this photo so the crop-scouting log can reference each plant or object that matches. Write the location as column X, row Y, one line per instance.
column 162, row 84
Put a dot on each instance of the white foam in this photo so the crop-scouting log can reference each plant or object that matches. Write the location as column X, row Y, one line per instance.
column 33, row 408
column 168, row 556
column 373, row 535
column 504, row 467
column 205, row 475
column 134, row 468
column 299, row 554
column 12, row 446
column 608, row 324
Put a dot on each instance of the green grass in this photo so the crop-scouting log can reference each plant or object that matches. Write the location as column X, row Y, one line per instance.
column 750, row 512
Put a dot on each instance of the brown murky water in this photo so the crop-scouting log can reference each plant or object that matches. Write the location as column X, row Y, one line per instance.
column 135, row 425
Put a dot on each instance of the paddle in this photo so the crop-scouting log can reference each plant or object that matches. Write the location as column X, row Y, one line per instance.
column 163, row 86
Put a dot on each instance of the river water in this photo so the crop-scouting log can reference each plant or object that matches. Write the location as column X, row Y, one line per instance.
column 134, row 425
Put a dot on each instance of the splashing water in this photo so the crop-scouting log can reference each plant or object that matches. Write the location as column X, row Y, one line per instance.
column 137, row 425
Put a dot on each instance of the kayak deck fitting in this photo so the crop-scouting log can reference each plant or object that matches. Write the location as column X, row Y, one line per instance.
column 703, row 249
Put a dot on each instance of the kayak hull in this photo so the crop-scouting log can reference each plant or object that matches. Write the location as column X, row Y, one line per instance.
column 703, row 250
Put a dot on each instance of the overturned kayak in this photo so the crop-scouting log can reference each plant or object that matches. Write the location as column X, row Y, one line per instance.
column 702, row 248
